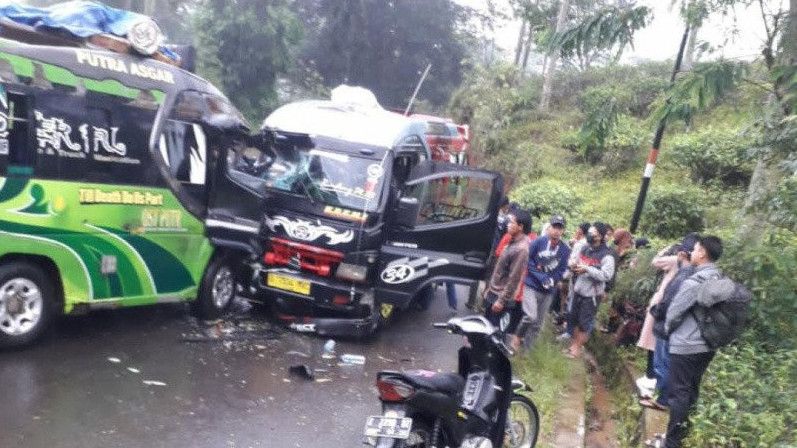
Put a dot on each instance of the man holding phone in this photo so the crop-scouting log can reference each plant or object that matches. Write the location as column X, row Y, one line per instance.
column 593, row 267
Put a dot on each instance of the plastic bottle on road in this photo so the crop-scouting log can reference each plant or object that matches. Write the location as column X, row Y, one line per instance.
column 329, row 350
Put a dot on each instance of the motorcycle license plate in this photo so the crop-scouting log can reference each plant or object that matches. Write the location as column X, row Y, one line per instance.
column 391, row 427
column 288, row 284
column 472, row 392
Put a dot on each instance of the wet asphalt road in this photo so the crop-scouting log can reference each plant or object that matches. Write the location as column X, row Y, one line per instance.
column 70, row 391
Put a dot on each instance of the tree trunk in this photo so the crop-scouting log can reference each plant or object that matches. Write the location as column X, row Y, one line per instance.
column 547, row 82
column 521, row 39
column 689, row 57
column 526, row 51
column 790, row 36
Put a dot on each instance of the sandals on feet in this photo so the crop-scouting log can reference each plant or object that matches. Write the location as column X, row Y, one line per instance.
column 653, row 404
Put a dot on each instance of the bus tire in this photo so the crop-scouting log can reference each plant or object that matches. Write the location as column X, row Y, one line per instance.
column 28, row 301
column 217, row 289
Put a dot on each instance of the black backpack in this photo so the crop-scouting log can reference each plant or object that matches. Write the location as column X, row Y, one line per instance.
column 721, row 310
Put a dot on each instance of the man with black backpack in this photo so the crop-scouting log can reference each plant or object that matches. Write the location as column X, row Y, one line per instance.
column 690, row 354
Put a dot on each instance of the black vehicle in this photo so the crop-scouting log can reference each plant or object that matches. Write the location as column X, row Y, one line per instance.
column 480, row 406
column 357, row 219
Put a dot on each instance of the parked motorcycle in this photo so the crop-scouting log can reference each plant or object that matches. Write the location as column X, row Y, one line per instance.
column 481, row 406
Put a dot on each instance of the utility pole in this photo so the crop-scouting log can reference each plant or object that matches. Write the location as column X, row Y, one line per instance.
column 654, row 150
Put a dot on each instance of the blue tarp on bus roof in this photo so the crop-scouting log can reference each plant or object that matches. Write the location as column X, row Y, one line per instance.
column 79, row 18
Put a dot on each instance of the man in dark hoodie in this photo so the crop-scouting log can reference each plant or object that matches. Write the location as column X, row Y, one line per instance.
column 592, row 269
column 548, row 257
column 689, row 352
column 661, row 355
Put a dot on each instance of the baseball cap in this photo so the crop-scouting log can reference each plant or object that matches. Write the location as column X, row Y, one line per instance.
column 557, row 220
column 688, row 243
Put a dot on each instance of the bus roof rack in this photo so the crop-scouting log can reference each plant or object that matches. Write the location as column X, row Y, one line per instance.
column 61, row 37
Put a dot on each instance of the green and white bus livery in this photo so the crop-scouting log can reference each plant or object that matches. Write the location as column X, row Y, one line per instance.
column 114, row 189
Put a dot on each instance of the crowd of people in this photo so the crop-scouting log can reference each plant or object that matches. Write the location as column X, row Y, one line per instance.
column 533, row 276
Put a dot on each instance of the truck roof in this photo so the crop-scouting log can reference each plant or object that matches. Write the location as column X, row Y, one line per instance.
column 355, row 123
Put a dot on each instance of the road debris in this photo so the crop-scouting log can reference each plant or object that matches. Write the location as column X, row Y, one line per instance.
column 329, row 350
column 114, row 360
column 356, row 360
column 297, row 353
column 154, row 383
column 133, row 370
column 302, row 371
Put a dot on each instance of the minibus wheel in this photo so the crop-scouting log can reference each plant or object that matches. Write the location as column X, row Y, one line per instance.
column 27, row 303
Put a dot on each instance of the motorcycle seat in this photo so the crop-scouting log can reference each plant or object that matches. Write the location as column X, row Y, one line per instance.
column 447, row 383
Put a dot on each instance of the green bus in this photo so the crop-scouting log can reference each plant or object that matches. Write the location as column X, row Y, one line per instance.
column 114, row 187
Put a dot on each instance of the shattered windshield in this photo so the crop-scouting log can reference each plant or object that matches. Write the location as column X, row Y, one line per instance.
column 324, row 176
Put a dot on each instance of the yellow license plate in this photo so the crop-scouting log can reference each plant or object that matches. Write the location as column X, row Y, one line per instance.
column 288, row 284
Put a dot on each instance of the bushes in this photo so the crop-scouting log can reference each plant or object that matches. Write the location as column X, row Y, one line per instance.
column 547, row 197
column 714, row 153
column 638, row 282
column 608, row 135
column 747, row 399
column 673, row 212
column 768, row 268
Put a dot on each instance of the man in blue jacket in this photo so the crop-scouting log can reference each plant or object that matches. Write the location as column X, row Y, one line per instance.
column 548, row 257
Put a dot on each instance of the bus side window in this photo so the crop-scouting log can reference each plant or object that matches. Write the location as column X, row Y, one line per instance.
column 183, row 146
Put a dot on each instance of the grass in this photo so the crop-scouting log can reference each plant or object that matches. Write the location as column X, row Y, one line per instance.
column 547, row 372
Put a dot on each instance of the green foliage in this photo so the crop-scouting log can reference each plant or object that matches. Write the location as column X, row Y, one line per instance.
column 547, row 372
column 672, row 212
column 634, row 87
column 602, row 112
column 747, row 398
column 546, row 197
column 714, row 153
column 767, row 266
column 608, row 27
column 612, row 140
column 638, row 282
column 243, row 46
column 699, row 89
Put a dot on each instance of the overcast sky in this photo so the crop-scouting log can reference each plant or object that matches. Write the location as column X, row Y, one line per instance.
column 660, row 39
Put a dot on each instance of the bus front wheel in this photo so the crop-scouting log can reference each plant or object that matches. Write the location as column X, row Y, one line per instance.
column 27, row 303
column 217, row 289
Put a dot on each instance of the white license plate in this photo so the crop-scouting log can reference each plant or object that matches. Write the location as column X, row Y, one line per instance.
column 391, row 427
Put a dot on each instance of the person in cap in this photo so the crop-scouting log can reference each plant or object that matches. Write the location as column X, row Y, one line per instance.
column 595, row 266
column 547, row 264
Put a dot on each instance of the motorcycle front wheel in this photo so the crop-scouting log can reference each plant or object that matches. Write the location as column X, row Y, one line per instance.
column 522, row 423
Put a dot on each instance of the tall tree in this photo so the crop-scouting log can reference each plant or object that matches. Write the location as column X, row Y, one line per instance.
column 385, row 45
column 243, row 46
column 553, row 57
